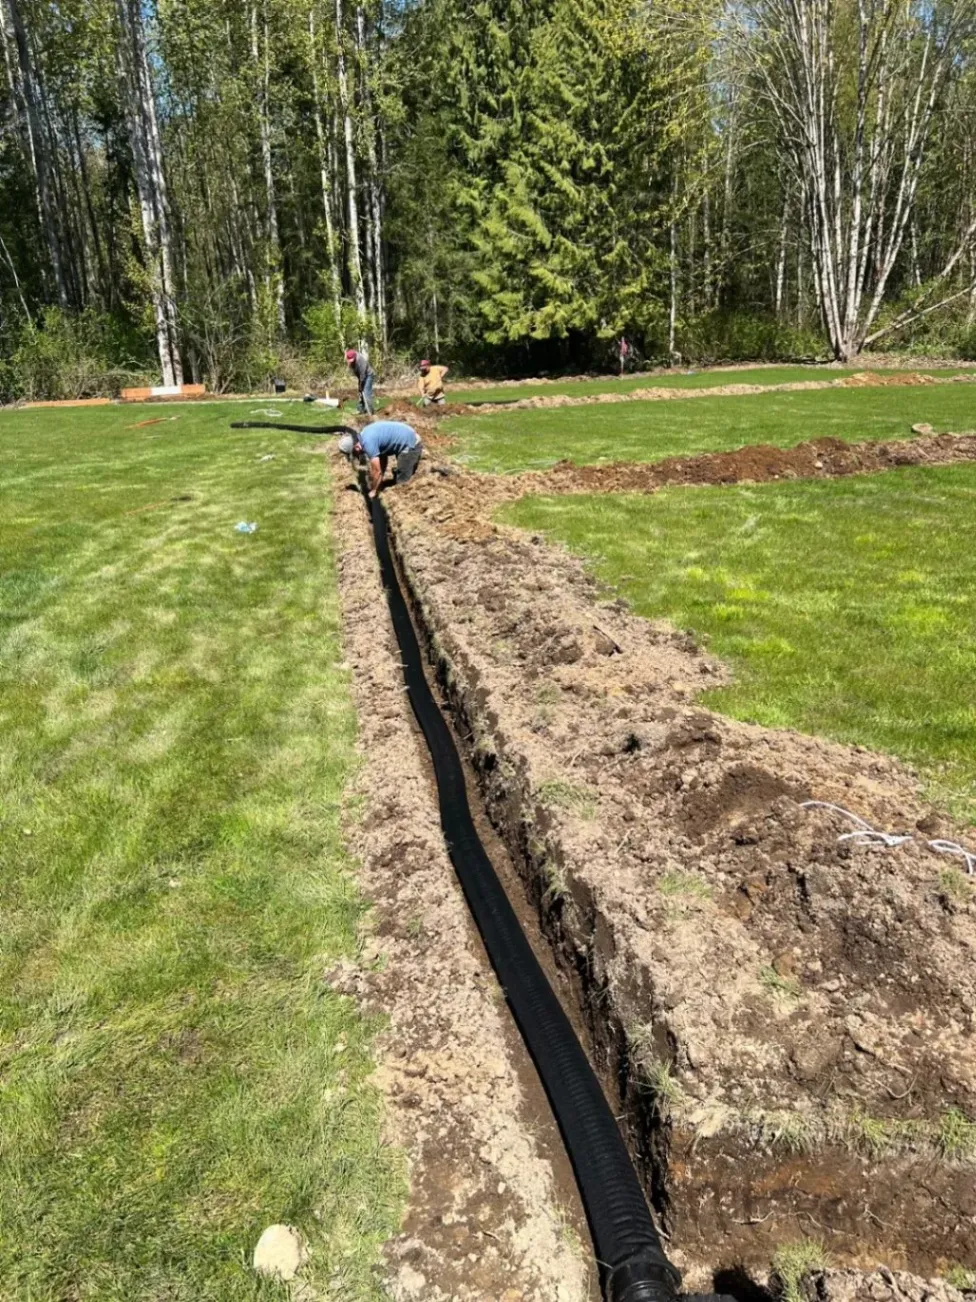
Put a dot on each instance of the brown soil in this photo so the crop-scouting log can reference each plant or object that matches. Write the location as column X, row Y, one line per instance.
column 491, row 1210
column 461, row 503
column 790, row 1019
column 662, row 393
column 873, row 362
column 879, row 1286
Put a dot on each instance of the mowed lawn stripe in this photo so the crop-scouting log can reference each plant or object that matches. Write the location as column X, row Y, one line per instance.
column 176, row 734
column 846, row 608
column 649, row 431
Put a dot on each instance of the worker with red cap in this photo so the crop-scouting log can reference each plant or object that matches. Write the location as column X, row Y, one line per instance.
column 431, row 383
column 358, row 363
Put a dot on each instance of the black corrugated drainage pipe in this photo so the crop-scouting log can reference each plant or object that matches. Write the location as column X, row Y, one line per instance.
column 633, row 1265
column 632, row 1261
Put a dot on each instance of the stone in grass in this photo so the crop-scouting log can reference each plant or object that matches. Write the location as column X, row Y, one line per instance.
column 280, row 1252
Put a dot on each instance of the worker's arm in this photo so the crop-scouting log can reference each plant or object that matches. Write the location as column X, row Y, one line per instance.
column 375, row 476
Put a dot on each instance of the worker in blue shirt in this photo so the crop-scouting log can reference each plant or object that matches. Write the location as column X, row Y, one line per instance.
column 376, row 442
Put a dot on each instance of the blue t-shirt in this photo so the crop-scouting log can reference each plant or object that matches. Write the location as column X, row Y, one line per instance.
column 387, row 438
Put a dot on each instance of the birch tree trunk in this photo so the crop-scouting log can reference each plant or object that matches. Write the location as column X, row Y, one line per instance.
column 374, row 188
column 781, row 256
column 274, row 279
column 140, row 112
column 354, row 257
column 332, row 268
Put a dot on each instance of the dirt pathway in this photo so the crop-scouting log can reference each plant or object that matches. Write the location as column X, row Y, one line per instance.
column 487, row 1219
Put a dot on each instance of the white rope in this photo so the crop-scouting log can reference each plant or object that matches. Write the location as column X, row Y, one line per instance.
column 865, row 834
column 950, row 847
column 264, row 411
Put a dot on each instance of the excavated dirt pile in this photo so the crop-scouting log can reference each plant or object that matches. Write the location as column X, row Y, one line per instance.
column 664, row 393
column 788, row 1018
column 461, row 503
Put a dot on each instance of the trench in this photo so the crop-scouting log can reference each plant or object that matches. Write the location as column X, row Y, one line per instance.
column 568, row 966
column 630, row 1256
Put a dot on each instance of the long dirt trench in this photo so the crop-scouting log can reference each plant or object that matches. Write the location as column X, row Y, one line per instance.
column 654, row 840
column 493, row 1212
column 789, row 1017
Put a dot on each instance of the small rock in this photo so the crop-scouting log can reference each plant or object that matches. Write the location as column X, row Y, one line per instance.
column 412, row 1281
column 280, row 1252
column 784, row 964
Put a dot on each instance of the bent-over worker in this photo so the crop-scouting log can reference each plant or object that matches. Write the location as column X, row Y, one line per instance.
column 379, row 441
column 358, row 363
column 431, row 383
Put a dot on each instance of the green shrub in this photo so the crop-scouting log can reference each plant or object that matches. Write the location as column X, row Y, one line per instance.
column 747, row 337
column 63, row 355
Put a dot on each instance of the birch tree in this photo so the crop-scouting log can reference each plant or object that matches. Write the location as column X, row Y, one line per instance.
column 25, row 89
column 854, row 90
column 352, row 197
column 140, row 110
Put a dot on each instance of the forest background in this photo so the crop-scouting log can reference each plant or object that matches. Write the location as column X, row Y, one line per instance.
column 218, row 191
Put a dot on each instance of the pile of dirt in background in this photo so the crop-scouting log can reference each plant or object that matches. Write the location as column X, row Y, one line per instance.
column 663, row 393
column 461, row 503
column 788, row 1017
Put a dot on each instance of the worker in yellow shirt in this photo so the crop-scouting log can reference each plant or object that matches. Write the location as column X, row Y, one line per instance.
column 431, row 384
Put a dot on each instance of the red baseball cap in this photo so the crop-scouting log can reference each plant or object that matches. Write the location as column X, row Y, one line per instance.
column 350, row 354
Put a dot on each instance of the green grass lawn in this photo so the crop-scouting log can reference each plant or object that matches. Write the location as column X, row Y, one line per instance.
column 846, row 607
column 678, row 379
column 176, row 734
column 647, row 431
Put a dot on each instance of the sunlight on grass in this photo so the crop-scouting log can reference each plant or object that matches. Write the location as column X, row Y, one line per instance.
column 846, row 607
column 177, row 734
column 648, row 431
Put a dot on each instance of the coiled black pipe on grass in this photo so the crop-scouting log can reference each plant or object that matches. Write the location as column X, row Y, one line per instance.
column 632, row 1261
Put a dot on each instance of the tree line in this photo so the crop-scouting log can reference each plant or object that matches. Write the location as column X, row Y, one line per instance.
column 220, row 190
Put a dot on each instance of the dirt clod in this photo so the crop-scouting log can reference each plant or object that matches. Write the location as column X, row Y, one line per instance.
column 280, row 1253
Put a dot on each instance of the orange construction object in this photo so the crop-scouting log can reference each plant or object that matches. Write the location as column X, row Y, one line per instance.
column 164, row 391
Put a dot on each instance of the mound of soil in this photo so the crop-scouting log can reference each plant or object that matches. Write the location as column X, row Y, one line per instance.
column 662, row 393
column 788, row 1017
column 461, row 503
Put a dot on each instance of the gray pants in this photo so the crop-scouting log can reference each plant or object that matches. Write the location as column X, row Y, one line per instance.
column 407, row 463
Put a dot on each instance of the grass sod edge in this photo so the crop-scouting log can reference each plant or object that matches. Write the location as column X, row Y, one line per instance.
column 177, row 737
column 844, row 606
column 506, row 442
